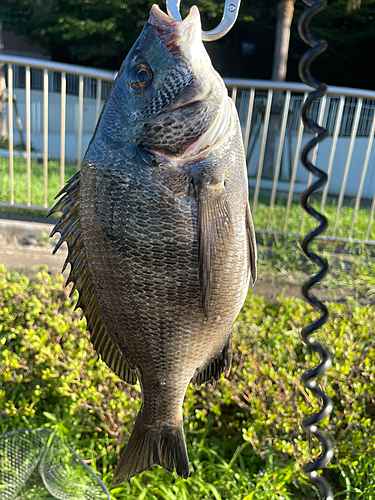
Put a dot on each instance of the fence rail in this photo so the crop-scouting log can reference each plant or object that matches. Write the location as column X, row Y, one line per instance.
column 52, row 109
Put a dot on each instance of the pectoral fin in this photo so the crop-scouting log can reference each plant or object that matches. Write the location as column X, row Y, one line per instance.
column 250, row 231
column 214, row 230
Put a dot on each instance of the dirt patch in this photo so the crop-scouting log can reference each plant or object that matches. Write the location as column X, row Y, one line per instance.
column 270, row 287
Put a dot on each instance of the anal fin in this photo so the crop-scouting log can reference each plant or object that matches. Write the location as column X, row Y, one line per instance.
column 69, row 228
column 220, row 363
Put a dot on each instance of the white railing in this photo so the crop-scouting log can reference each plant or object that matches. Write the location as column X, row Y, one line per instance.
column 58, row 105
column 346, row 155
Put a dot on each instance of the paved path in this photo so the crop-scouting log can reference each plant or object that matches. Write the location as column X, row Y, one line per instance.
column 30, row 258
column 25, row 245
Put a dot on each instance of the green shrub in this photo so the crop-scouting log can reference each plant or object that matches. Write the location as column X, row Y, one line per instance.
column 243, row 434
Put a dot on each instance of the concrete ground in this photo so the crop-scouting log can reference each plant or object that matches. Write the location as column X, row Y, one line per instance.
column 25, row 245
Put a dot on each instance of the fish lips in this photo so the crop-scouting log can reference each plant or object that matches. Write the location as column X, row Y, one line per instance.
column 184, row 41
column 169, row 45
column 173, row 33
column 183, row 97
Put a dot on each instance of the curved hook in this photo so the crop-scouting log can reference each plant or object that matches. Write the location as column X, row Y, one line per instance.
column 173, row 9
column 231, row 10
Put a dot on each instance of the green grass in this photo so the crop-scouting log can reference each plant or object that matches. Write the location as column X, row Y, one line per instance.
column 37, row 181
column 278, row 214
column 260, row 217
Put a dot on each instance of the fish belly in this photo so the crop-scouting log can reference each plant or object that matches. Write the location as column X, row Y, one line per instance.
column 141, row 243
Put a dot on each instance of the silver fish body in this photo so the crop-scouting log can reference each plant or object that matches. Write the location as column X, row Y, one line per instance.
column 161, row 241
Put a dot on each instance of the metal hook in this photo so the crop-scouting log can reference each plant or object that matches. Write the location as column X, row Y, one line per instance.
column 173, row 9
column 231, row 10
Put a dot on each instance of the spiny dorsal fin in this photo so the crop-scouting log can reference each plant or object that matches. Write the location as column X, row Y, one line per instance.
column 69, row 228
column 222, row 362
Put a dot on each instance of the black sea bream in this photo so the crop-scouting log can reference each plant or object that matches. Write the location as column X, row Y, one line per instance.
column 160, row 236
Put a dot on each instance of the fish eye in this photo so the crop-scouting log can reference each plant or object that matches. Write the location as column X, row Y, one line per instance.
column 140, row 76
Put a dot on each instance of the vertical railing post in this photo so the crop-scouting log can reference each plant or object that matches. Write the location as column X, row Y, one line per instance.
column 62, row 129
column 262, row 150
column 45, row 137
column 294, row 169
column 10, row 133
column 28, row 135
column 80, row 121
column 363, row 175
column 347, row 164
column 98, row 97
column 248, row 121
column 333, row 150
column 279, row 156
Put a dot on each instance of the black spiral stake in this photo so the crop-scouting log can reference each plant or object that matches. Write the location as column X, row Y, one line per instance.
column 310, row 424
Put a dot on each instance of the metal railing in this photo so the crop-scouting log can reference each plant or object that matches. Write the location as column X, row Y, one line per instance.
column 59, row 113
column 347, row 157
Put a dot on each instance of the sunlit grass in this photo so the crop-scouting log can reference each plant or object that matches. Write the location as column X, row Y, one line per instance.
column 36, row 181
column 277, row 216
column 243, row 434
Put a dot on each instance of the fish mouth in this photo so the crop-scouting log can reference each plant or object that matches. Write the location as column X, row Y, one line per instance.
column 174, row 33
column 187, row 104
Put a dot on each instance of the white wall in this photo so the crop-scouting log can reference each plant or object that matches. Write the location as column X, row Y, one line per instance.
column 337, row 173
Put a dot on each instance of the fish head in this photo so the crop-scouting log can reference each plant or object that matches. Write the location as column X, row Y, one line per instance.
column 167, row 93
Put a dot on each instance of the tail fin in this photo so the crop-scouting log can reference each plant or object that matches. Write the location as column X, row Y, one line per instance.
column 148, row 446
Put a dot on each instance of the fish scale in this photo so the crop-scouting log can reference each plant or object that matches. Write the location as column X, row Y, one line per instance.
column 159, row 231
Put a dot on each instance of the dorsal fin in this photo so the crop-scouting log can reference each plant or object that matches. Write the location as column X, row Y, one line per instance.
column 69, row 228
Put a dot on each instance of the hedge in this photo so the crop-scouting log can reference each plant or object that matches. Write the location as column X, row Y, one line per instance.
column 243, row 434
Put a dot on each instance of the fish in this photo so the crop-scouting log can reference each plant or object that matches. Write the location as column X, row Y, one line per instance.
column 161, row 242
